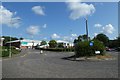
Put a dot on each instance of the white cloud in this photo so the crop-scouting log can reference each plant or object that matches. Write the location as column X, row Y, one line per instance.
column 70, row 37
column 95, row 34
column 79, row 9
column 66, row 38
column 74, row 35
column 7, row 17
column 98, row 25
column 38, row 10
column 109, row 29
column 55, row 36
column 44, row 26
column 33, row 30
column 45, row 38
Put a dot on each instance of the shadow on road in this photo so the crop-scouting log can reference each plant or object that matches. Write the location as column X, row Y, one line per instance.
column 71, row 58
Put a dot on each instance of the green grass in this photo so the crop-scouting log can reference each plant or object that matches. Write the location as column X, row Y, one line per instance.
column 4, row 51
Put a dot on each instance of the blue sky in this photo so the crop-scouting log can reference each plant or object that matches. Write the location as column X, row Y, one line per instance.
column 52, row 20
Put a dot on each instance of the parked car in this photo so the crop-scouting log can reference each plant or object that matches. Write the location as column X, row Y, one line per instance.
column 108, row 49
column 118, row 49
column 42, row 46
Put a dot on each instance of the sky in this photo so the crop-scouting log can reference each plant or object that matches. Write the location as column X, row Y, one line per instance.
column 58, row 20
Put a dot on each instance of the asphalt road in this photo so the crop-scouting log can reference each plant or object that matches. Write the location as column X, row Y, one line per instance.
column 32, row 64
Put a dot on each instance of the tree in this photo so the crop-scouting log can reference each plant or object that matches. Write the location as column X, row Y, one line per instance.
column 43, row 42
column 103, row 38
column 21, row 38
column 81, row 38
column 60, row 45
column 113, row 44
column 118, row 40
column 52, row 43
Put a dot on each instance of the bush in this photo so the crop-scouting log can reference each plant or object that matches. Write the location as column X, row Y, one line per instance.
column 52, row 43
column 60, row 45
column 6, row 50
column 84, row 49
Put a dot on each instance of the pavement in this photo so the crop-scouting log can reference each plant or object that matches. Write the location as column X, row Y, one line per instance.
column 31, row 64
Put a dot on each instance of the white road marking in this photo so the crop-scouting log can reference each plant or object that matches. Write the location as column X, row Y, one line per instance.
column 23, row 55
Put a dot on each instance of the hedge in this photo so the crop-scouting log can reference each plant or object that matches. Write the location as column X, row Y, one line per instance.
column 84, row 49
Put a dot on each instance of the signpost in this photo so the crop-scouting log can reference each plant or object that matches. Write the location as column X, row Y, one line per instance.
column 24, row 43
column 97, row 52
column 91, row 43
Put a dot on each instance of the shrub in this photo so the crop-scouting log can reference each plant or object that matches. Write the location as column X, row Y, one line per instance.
column 60, row 45
column 6, row 50
column 43, row 42
column 84, row 49
column 52, row 43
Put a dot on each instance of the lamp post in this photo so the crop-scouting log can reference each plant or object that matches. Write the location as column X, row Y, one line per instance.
column 10, row 53
column 86, row 21
column 1, row 41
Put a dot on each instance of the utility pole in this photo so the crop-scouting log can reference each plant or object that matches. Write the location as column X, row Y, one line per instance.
column 86, row 27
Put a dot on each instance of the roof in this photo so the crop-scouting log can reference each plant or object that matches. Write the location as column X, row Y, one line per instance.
column 13, row 41
column 61, row 41
column 24, row 40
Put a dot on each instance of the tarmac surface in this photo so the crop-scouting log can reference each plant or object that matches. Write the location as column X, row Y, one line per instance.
column 31, row 64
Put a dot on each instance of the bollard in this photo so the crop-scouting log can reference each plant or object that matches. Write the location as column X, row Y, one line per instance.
column 41, row 51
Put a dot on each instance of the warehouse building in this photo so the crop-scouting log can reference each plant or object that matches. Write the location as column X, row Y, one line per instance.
column 24, row 44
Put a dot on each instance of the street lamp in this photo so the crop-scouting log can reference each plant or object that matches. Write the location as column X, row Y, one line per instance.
column 86, row 21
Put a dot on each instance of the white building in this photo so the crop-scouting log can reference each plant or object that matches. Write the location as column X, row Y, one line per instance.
column 65, row 43
column 25, row 43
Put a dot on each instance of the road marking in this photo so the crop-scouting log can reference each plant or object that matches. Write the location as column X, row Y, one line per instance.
column 23, row 55
column 6, row 59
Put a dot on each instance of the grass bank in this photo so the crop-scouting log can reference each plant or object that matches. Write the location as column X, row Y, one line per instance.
column 5, row 51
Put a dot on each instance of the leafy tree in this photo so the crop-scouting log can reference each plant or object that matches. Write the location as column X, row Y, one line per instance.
column 118, row 40
column 60, row 45
column 52, row 43
column 21, row 38
column 80, row 38
column 43, row 42
column 103, row 38
column 113, row 43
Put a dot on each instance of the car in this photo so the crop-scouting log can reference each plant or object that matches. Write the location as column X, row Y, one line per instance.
column 42, row 46
column 108, row 49
column 118, row 48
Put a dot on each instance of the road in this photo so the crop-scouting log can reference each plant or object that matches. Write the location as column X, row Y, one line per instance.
column 32, row 64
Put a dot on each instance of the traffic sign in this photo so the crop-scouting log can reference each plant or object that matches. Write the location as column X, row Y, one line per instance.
column 91, row 43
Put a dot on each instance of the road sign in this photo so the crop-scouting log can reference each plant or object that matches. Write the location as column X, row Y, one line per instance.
column 97, row 52
column 91, row 43
column 24, row 43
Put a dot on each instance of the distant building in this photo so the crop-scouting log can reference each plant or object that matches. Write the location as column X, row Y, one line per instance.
column 65, row 43
column 26, row 43
column 1, row 41
column 23, row 44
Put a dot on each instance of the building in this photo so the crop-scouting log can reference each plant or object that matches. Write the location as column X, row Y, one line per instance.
column 23, row 44
column 65, row 43
column 1, row 41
